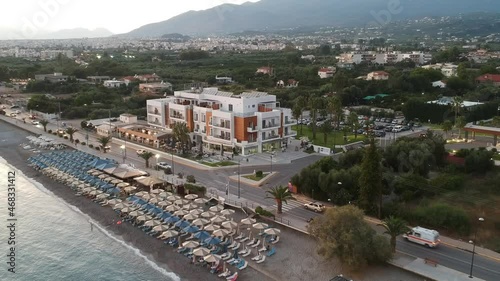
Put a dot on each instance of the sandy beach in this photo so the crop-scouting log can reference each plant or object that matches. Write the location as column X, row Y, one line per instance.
column 296, row 257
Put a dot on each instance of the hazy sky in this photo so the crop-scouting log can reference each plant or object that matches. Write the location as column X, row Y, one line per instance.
column 117, row 16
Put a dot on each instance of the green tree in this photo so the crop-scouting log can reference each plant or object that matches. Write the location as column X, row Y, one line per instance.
column 343, row 233
column 297, row 114
column 280, row 194
column 353, row 121
column 326, row 128
column 335, row 109
column 460, row 124
column 181, row 135
column 146, row 156
column 447, row 126
column 71, row 131
column 496, row 121
column 44, row 123
column 457, row 104
column 104, row 141
column 370, row 180
column 315, row 104
column 394, row 227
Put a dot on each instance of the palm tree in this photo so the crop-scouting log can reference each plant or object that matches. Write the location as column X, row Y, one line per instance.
column 280, row 194
column 326, row 128
column 44, row 123
column 146, row 156
column 335, row 109
column 70, row 131
column 457, row 106
column 103, row 141
column 447, row 126
column 315, row 104
column 460, row 124
column 354, row 122
column 181, row 134
column 393, row 227
column 496, row 121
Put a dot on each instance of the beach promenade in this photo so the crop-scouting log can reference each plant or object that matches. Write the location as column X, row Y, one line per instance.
column 415, row 265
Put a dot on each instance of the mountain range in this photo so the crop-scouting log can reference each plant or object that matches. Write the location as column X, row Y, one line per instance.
column 272, row 15
column 10, row 34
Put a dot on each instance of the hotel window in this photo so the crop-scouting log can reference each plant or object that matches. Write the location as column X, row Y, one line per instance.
column 230, row 107
column 203, row 118
column 196, row 117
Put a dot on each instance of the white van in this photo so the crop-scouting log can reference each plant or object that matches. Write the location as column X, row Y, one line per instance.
column 423, row 236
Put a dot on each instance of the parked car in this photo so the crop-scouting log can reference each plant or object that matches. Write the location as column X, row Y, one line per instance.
column 12, row 115
column 141, row 151
column 379, row 134
column 34, row 122
column 163, row 166
column 315, row 206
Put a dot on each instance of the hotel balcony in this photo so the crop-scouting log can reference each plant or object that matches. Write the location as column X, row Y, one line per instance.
column 221, row 126
column 290, row 133
column 271, row 126
column 252, row 129
column 218, row 139
column 290, row 122
column 178, row 117
column 154, row 112
column 271, row 137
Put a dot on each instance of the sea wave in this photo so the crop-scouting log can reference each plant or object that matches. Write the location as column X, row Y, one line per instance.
column 136, row 251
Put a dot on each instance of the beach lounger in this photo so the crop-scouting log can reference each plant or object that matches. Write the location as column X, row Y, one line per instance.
column 235, row 261
column 257, row 257
column 235, row 247
column 232, row 245
column 264, row 248
column 261, row 260
column 225, row 273
column 226, row 255
column 242, row 266
column 244, row 251
column 247, row 253
column 256, row 244
column 239, row 236
column 276, row 240
column 246, row 238
column 271, row 252
column 252, row 242
column 233, row 277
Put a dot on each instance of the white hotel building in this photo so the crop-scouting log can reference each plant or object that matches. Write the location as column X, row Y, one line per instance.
column 252, row 122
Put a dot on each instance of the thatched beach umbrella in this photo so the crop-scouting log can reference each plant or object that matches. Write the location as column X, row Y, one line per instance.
column 164, row 194
column 211, row 227
column 207, row 214
column 260, row 225
column 173, row 198
column 229, row 224
column 156, row 191
column 227, row 212
column 172, row 208
column 272, row 231
column 210, row 258
column 153, row 200
column 116, row 181
column 196, row 212
column 162, row 204
column 130, row 189
column 190, row 217
column 123, row 185
column 248, row 221
column 216, row 208
column 181, row 201
column 200, row 222
column 220, row 232
column 169, row 234
column 190, row 244
column 102, row 196
column 218, row 219
column 191, row 196
column 103, row 176
column 144, row 218
column 160, row 228
column 141, row 193
column 181, row 213
column 189, row 206
column 114, row 201
column 200, row 200
column 152, row 223
column 201, row 252
column 136, row 213
column 120, row 206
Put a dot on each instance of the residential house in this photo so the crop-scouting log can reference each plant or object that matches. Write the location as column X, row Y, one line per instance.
column 155, row 88
column 377, row 75
column 292, row 83
column 448, row 69
column 251, row 122
column 308, row 57
column 439, row 84
column 266, row 70
column 489, row 78
column 98, row 79
column 114, row 83
column 148, row 78
column 52, row 78
column 450, row 101
column 223, row 80
column 326, row 72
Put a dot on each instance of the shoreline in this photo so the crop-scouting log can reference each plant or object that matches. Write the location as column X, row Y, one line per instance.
column 154, row 249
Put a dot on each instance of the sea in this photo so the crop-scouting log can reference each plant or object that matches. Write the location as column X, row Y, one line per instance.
column 55, row 241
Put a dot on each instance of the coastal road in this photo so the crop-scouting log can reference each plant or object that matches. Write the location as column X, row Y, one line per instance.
column 451, row 257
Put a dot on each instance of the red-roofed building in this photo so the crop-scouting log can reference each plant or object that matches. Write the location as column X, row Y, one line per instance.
column 489, row 78
column 377, row 75
column 326, row 72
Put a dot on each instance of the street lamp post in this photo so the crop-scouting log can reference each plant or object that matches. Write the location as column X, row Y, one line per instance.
column 239, row 173
column 272, row 162
column 124, row 152
column 173, row 164
column 474, row 247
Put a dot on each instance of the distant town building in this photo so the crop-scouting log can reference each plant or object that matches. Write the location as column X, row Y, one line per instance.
column 98, row 79
column 114, row 83
column 252, row 122
column 52, row 54
column 450, row 101
column 266, row 70
column 53, row 78
column 489, row 78
column 377, row 75
column 308, row 57
column 326, row 72
column 439, row 84
column 223, row 80
column 155, row 88
column 448, row 69
column 418, row 58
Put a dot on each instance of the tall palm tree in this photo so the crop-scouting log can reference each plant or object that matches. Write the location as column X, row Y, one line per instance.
column 44, row 123
column 104, row 141
column 181, row 134
column 146, row 156
column 393, row 227
column 281, row 194
column 315, row 104
column 354, row 122
column 460, row 124
column 300, row 104
column 326, row 128
column 447, row 126
column 334, row 107
column 457, row 106
column 70, row 131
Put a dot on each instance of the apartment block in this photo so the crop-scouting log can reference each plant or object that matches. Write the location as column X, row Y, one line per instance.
column 251, row 122
column 383, row 57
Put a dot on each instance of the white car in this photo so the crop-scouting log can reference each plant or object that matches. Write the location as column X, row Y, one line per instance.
column 163, row 165
column 34, row 122
column 315, row 206
column 141, row 151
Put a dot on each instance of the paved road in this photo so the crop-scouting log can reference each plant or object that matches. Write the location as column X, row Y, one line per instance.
column 447, row 256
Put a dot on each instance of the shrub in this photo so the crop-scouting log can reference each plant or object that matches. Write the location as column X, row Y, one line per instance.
column 195, row 188
column 190, row 179
column 97, row 148
column 83, row 143
column 54, row 133
column 77, row 141
column 49, row 131
column 259, row 174
column 443, row 216
column 261, row 211
column 180, row 175
column 479, row 161
column 448, row 182
column 91, row 145
column 65, row 137
column 167, row 171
